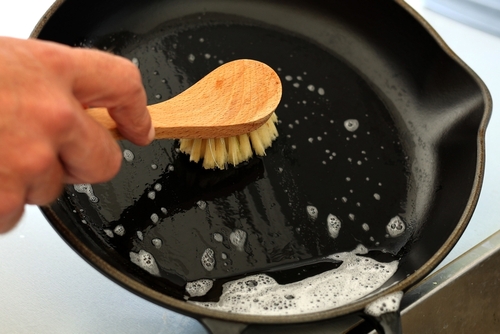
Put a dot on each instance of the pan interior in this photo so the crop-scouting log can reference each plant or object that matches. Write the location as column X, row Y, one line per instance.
column 338, row 160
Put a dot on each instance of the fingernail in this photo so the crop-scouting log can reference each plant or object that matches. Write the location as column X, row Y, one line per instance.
column 152, row 133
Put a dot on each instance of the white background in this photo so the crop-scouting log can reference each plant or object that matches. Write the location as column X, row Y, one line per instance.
column 46, row 288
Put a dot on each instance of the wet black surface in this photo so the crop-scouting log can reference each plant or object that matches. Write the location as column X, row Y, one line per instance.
column 357, row 174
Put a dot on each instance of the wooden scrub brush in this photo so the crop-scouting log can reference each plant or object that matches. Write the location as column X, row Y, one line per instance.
column 224, row 118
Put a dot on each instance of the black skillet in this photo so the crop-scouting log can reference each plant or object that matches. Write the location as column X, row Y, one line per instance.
column 378, row 119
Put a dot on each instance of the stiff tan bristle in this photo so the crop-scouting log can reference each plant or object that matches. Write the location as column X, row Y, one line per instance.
column 219, row 152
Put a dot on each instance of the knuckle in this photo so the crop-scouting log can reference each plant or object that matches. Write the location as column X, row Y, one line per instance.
column 39, row 162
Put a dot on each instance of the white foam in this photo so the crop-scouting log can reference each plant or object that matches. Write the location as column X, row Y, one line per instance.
column 109, row 233
column 140, row 235
column 135, row 61
column 152, row 195
column 218, row 237
column 199, row 288
column 86, row 188
column 146, row 261
column 191, row 58
column 261, row 295
column 119, row 230
column 208, row 259
column 311, row 88
column 376, row 196
column 395, row 227
column 238, row 238
column 154, row 218
column 385, row 304
column 333, row 224
column 321, row 91
column 158, row 187
column 365, row 227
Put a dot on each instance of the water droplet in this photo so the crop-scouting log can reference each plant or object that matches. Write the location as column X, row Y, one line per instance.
column 207, row 55
column 191, row 58
column 376, row 196
column 365, row 227
column 128, row 155
column 312, row 212
column 311, row 88
column 202, row 204
column 135, row 61
column 158, row 187
column 288, row 78
column 157, row 243
column 119, row 230
column 152, row 195
column 321, row 91
column 351, row 125
column 154, row 218
column 218, row 237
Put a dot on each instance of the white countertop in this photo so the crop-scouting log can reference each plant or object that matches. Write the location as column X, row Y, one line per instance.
column 45, row 287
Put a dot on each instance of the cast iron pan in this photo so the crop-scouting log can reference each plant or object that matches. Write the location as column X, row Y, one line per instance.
column 379, row 119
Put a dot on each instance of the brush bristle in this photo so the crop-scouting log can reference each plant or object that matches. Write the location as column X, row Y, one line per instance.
column 219, row 152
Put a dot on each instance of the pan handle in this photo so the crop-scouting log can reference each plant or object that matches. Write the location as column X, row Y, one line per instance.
column 222, row 326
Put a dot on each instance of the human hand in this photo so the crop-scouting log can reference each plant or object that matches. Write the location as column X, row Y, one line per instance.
column 46, row 138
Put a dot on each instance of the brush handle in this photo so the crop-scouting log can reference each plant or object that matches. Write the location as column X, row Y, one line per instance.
column 236, row 98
